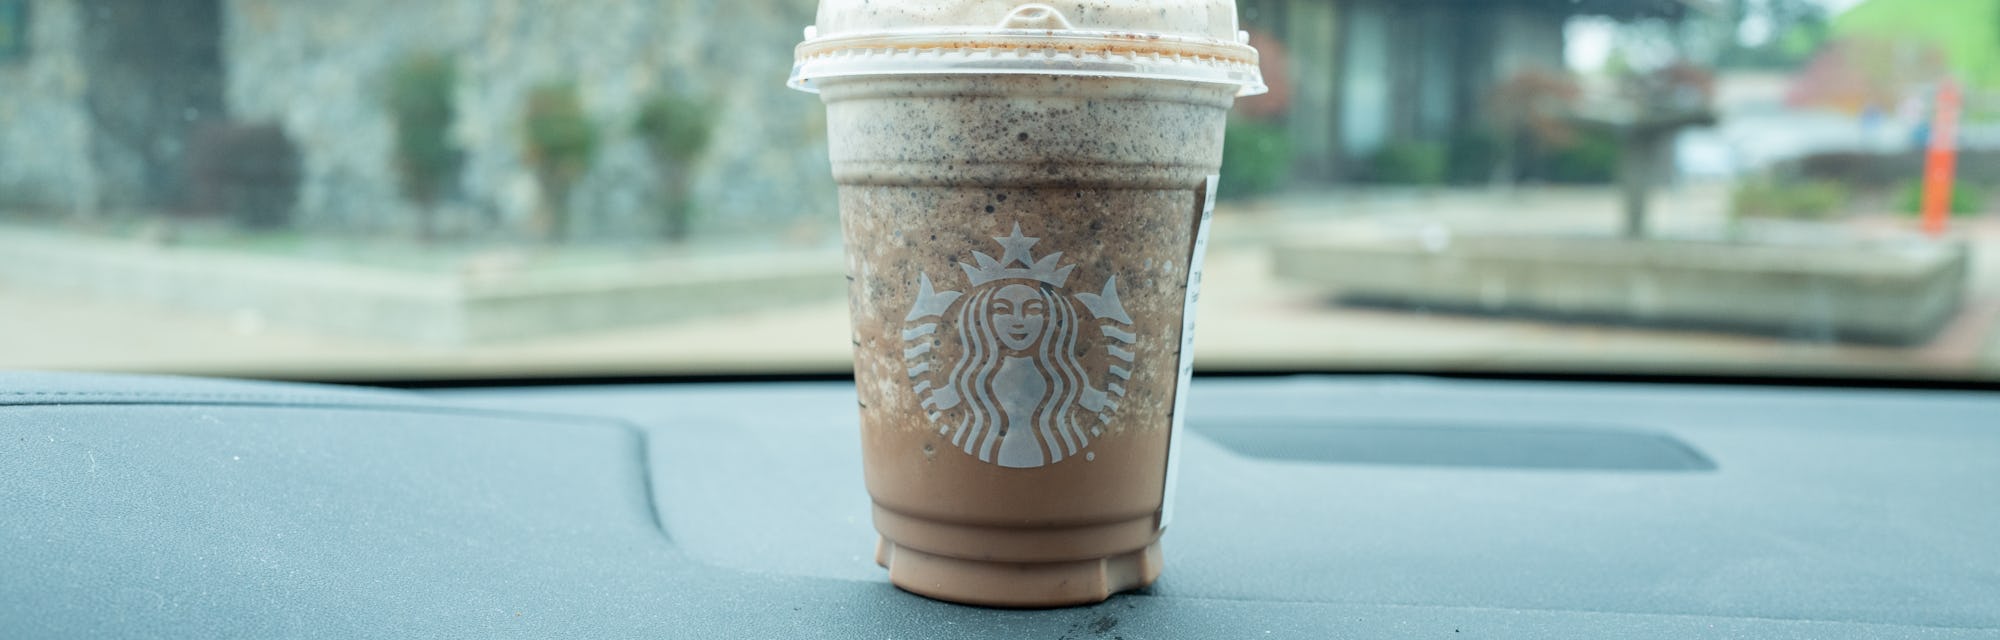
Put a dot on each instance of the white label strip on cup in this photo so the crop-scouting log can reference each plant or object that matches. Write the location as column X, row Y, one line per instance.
column 1186, row 352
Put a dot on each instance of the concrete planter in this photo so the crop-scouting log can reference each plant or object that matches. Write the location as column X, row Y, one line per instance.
column 443, row 309
column 1898, row 292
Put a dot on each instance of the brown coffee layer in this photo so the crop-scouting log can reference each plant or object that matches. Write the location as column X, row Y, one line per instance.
column 1018, row 253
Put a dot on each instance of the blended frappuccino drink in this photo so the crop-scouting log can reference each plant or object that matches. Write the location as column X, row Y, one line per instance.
column 1024, row 205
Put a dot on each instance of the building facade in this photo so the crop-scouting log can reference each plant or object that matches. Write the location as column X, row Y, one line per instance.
column 1366, row 74
column 101, row 103
column 102, row 97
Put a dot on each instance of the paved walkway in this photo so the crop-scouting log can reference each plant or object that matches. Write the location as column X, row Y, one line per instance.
column 1248, row 320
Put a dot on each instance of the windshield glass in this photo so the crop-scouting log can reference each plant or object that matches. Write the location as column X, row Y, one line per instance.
column 354, row 189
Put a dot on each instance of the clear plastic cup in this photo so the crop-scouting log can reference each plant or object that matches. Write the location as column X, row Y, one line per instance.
column 1025, row 192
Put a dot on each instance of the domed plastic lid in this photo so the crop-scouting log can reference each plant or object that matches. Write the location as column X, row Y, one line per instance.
column 1192, row 40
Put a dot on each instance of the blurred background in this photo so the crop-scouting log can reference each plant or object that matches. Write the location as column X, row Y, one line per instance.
column 379, row 189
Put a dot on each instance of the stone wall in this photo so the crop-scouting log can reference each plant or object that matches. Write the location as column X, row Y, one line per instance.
column 45, row 132
column 318, row 67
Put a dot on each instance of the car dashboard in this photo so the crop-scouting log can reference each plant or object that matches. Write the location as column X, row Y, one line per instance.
column 1309, row 506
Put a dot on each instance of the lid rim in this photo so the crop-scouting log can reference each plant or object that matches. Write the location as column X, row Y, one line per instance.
column 1101, row 53
column 1214, row 19
column 955, row 39
column 1246, row 78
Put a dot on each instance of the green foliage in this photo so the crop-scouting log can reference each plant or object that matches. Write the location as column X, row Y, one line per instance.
column 1419, row 163
column 1616, row 64
column 1968, row 31
column 1472, row 157
column 420, row 103
column 1591, row 157
column 1256, row 159
column 1809, row 200
column 561, row 138
column 1966, row 199
column 675, row 129
column 1798, row 28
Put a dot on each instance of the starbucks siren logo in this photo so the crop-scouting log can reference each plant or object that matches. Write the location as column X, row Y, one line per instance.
column 1017, row 395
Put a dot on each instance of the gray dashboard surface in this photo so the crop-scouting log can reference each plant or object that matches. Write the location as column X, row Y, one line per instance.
column 1309, row 507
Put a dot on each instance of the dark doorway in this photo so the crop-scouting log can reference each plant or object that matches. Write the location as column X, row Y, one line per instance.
column 155, row 74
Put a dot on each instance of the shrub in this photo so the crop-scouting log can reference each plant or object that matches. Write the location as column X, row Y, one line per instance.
column 561, row 141
column 1890, row 170
column 1966, row 198
column 247, row 172
column 1814, row 199
column 1472, row 158
column 1588, row 158
column 1256, row 159
column 676, row 130
column 1420, row 163
column 420, row 103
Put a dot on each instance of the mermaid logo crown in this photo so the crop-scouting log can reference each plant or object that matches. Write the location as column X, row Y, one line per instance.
column 1016, row 252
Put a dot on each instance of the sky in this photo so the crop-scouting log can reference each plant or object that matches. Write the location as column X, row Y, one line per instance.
column 1589, row 39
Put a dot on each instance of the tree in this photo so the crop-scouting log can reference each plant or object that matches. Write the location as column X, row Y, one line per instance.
column 561, row 141
column 1965, row 32
column 1772, row 34
column 1529, row 108
column 676, row 130
column 420, row 104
